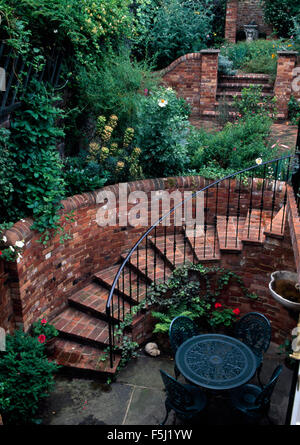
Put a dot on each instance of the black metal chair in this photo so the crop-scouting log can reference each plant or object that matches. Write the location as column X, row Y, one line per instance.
column 254, row 401
column 186, row 400
column 181, row 329
column 254, row 329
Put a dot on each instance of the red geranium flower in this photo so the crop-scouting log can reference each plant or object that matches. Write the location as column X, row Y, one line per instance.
column 217, row 305
column 236, row 311
column 43, row 321
column 42, row 338
column 0, row 252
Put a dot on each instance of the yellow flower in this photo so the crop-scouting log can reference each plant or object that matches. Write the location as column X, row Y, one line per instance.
column 120, row 165
column 106, row 134
column 273, row 56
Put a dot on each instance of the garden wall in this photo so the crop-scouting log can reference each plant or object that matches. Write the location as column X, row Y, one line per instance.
column 243, row 12
column 41, row 282
column 195, row 78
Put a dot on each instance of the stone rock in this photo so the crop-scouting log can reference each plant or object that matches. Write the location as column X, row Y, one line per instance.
column 152, row 349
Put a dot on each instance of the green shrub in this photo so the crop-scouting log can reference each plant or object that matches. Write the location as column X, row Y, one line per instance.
column 251, row 102
column 294, row 110
column 161, row 133
column 258, row 56
column 114, row 87
column 28, row 378
column 279, row 14
column 169, row 29
column 35, row 177
column 234, row 148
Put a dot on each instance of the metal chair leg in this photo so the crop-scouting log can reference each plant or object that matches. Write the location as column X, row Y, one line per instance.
column 258, row 371
column 176, row 371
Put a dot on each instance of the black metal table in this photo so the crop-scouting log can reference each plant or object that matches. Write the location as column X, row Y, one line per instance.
column 216, row 362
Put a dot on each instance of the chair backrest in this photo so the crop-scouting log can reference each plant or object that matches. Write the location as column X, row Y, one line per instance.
column 181, row 329
column 264, row 398
column 177, row 394
column 254, row 329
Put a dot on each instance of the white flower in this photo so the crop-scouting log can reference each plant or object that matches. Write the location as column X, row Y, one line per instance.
column 258, row 161
column 11, row 248
column 19, row 255
column 55, row 31
column 19, row 244
column 4, row 239
column 162, row 103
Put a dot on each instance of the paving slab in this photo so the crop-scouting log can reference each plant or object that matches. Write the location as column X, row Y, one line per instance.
column 137, row 397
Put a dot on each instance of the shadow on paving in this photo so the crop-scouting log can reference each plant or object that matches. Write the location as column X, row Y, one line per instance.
column 137, row 397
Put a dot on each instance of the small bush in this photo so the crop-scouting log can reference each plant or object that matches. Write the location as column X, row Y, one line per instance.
column 294, row 110
column 161, row 133
column 28, row 378
column 258, row 56
column 236, row 147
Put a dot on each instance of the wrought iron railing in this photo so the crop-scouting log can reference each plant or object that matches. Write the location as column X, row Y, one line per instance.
column 18, row 72
column 266, row 190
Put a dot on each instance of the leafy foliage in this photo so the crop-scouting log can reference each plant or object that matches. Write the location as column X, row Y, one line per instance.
column 169, row 29
column 258, row 56
column 195, row 298
column 279, row 14
column 161, row 132
column 236, row 147
column 35, row 182
column 28, row 377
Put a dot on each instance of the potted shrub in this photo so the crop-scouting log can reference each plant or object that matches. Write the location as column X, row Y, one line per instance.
column 46, row 334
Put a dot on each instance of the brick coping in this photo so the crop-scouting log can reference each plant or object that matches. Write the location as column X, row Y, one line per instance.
column 21, row 230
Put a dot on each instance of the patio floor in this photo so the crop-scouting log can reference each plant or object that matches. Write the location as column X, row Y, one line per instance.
column 137, row 397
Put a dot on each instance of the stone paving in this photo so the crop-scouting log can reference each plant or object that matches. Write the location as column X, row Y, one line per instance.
column 137, row 397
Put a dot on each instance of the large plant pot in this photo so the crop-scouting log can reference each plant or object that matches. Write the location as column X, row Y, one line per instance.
column 278, row 278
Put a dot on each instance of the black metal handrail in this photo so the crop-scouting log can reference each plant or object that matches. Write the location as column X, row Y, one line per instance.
column 263, row 166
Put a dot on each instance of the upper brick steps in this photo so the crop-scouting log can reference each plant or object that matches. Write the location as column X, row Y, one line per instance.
column 205, row 245
column 83, row 329
column 175, row 249
column 248, row 78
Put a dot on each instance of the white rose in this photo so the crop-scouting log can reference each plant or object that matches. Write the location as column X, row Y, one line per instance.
column 19, row 244
column 4, row 239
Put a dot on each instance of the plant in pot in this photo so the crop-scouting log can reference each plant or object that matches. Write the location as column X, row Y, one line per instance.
column 46, row 334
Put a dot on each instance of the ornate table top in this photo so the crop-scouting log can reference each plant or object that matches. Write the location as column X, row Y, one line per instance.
column 216, row 361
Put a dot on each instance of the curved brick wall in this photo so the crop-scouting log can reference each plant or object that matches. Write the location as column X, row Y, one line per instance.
column 46, row 276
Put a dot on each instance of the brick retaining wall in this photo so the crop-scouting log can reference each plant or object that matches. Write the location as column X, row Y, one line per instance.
column 47, row 275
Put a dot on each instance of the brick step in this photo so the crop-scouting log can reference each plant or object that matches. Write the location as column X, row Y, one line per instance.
column 229, row 233
column 241, row 85
column 238, row 94
column 83, row 328
column 79, row 357
column 206, row 247
column 246, row 78
column 149, row 262
column 131, row 286
column 92, row 300
column 255, row 224
column 276, row 229
column 176, row 252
